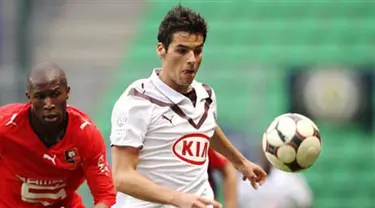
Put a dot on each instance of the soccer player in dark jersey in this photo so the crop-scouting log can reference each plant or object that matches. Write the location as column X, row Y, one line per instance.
column 48, row 149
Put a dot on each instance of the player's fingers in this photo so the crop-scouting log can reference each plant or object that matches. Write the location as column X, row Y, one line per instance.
column 217, row 205
column 253, row 183
column 199, row 204
column 261, row 172
column 210, row 202
column 262, row 180
column 251, row 175
column 261, row 177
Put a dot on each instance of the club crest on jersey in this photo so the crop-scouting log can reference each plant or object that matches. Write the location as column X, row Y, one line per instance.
column 121, row 119
column 71, row 155
column 192, row 148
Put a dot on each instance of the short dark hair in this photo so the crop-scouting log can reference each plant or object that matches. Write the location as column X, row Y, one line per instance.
column 181, row 19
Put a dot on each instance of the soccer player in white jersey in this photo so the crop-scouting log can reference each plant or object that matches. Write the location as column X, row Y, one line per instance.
column 162, row 126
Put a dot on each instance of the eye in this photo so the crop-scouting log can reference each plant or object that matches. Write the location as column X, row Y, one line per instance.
column 39, row 96
column 55, row 94
column 182, row 51
column 198, row 51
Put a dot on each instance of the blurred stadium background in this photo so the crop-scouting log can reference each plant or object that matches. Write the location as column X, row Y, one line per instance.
column 263, row 58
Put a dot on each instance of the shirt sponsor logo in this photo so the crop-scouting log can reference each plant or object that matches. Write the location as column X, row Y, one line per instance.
column 192, row 148
column 45, row 192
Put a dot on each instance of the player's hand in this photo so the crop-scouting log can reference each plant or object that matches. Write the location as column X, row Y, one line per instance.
column 252, row 172
column 183, row 200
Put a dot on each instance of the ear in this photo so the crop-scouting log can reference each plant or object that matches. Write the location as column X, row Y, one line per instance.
column 67, row 92
column 160, row 50
column 27, row 94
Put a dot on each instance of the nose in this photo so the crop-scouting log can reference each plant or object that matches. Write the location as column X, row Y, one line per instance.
column 48, row 104
column 191, row 59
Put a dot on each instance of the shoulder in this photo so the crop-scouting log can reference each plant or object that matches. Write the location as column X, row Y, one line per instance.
column 133, row 107
column 128, row 94
column 77, row 115
column 134, row 97
column 81, row 122
column 12, row 108
column 12, row 112
column 86, row 136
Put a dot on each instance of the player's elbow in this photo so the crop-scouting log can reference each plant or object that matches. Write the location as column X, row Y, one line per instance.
column 122, row 180
column 105, row 198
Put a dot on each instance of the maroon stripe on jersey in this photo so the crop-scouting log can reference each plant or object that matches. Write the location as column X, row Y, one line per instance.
column 134, row 92
column 176, row 108
column 208, row 89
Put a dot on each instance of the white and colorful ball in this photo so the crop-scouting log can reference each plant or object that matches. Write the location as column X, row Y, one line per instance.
column 292, row 142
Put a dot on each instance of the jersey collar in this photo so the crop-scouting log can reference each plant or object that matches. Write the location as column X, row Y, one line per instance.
column 167, row 91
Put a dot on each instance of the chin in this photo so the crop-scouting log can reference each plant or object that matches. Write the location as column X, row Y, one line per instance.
column 51, row 123
column 186, row 83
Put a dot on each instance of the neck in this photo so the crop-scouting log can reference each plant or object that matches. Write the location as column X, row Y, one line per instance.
column 168, row 81
column 47, row 132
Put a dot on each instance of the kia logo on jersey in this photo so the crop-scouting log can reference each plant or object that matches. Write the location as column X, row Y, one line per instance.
column 192, row 148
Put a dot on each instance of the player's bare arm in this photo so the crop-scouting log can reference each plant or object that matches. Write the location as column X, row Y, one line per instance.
column 129, row 181
column 217, row 162
column 254, row 173
column 229, row 185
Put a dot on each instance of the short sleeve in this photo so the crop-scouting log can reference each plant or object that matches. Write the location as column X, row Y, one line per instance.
column 129, row 122
column 216, row 160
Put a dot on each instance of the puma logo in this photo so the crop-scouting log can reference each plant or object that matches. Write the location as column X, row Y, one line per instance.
column 84, row 124
column 11, row 121
column 52, row 159
column 168, row 119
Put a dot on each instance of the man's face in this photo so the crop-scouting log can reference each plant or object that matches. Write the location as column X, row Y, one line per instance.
column 183, row 58
column 48, row 100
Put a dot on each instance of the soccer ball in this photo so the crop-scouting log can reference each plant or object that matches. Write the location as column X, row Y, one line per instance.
column 292, row 142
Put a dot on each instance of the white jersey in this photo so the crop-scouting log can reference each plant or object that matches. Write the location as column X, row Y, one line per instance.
column 172, row 133
column 280, row 190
